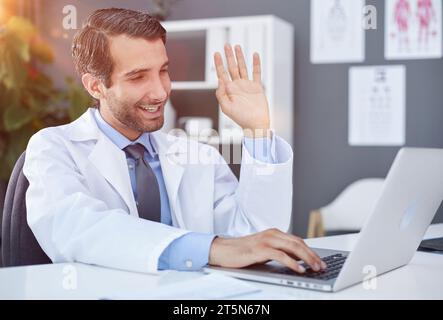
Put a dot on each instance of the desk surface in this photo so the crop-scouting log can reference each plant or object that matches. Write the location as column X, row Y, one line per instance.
column 422, row 278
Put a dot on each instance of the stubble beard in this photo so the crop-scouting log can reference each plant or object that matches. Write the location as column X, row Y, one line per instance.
column 126, row 113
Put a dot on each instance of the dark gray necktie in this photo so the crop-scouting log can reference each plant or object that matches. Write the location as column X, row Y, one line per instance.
column 148, row 193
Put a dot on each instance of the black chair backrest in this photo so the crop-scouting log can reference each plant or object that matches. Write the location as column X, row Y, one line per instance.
column 19, row 246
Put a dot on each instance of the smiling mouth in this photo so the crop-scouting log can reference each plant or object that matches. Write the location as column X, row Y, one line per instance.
column 150, row 108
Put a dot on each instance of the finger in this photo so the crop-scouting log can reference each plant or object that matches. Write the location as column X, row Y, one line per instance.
column 241, row 62
column 220, row 93
column 221, row 87
column 219, row 67
column 232, row 65
column 319, row 264
column 256, row 68
column 299, row 241
column 285, row 260
column 311, row 252
column 314, row 256
column 296, row 249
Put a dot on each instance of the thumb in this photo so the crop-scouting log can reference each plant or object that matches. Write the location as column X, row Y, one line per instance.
column 220, row 93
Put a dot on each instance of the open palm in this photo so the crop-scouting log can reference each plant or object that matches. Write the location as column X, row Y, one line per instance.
column 241, row 99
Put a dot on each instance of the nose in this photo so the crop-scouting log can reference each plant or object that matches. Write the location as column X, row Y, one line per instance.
column 157, row 90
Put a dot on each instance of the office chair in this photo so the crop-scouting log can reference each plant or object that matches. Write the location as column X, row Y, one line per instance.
column 19, row 246
column 348, row 211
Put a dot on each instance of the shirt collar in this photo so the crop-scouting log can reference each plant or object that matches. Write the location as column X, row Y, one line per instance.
column 120, row 140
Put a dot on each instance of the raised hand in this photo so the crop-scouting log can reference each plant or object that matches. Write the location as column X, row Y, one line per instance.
column 242, row 99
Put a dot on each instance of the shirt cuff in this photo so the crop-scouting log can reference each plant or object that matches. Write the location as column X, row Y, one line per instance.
column 190, row 252
column 261, row 149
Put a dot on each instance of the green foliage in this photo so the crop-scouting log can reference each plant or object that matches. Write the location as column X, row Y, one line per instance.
column 28, row 98
column 78, row 99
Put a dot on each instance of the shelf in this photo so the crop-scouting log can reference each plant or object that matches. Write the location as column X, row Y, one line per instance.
column 216, row 140
column 194, row 85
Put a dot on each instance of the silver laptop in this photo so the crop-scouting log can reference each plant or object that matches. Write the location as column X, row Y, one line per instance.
column 411, row 195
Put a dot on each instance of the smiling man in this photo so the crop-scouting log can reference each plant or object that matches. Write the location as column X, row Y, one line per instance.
column 110, row 189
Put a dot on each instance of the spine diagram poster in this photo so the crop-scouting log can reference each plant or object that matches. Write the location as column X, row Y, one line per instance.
column 413, row 29
column 337, row 34
column 377, row 106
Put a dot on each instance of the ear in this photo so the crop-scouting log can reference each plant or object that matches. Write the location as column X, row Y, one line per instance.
column 93, row 85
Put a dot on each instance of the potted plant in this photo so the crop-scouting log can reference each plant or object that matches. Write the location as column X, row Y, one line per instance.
column 28, row 99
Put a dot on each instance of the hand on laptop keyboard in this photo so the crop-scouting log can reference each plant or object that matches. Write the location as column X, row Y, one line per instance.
column 334, row 262
column 262, row 247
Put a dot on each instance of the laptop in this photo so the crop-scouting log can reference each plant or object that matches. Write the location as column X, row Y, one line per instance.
column 411, row 195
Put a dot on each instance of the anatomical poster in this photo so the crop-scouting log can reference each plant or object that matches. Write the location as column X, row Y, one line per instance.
column 413, row 29
column 337, row 35
column 377, row 105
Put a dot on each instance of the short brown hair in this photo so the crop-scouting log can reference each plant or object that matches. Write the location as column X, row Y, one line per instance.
column 90, row 47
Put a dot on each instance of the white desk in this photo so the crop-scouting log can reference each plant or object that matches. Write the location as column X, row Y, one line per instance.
column 422, row 278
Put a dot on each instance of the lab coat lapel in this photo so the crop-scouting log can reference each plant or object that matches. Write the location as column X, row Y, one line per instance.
column 110, row 161
column 105, row 156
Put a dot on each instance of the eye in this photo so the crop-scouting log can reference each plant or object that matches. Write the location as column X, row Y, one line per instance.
column 164, row 70
column 136, row 78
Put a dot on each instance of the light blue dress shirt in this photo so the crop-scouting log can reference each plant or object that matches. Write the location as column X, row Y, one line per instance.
column 190, row 251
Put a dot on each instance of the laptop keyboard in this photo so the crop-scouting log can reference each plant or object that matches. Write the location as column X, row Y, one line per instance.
column 334, row 262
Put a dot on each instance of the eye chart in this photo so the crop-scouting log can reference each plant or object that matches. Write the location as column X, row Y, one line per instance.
column 377, row 106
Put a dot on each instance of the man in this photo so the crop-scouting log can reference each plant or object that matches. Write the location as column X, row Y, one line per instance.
column 110, row 189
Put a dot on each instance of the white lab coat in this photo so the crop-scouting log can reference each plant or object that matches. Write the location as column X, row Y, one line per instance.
column 81, row 208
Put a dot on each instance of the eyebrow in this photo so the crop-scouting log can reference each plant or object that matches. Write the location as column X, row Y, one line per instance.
column 139, row 70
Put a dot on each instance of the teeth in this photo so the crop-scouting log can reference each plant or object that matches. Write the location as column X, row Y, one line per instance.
column 150, row 108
